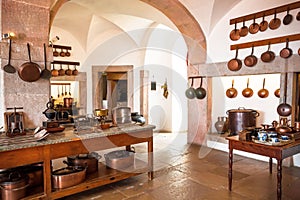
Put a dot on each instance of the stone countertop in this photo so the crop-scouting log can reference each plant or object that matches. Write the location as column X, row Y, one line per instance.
column 69, row 134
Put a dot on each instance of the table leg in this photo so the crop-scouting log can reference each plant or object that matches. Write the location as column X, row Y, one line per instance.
column 279, row 178
column 150, row 159
column 230, row 169
column 270, row 165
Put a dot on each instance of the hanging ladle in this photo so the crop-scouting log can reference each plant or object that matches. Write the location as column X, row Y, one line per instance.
column 247, row 92
column 231, row 92
column 190, row 92
column 9, row 68
column 263, row 93
column 284, row 109
column 200, row 91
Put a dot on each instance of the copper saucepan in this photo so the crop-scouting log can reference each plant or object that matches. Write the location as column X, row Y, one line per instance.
column 288, row 18
column 263, row 26
column 250, row 60
column 286, row 52
column 243, row 30
column 254, row 27
column 275, row 22
column 235, row 64
column 235, row 33
column 268, row 55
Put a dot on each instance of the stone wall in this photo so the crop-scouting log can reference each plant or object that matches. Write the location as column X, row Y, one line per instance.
column 29, row 20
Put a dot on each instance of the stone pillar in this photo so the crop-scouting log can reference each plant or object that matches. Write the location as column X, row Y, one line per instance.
column 144, row 85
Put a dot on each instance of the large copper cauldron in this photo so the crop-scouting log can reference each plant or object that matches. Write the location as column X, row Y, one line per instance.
column 241, row 119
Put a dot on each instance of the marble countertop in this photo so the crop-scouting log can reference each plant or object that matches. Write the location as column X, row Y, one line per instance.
column 69, row 134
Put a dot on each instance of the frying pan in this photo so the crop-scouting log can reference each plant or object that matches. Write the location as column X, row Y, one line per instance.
column 254, row 27
column 250, row 60
column 286, row 52
column 231, row 92
column 54, row 72
column 46, row 74
column 61, row 71
column 29, row 71
column 288, row 18
column 268, row 55
column 235, row 34
column 9, row 68
column 275, row 22
column 235, row 64
column 263, row 24
column 243, row 30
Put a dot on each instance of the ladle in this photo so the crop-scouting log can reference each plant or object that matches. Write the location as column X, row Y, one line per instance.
column 247, row 92
column 231, row 92
column 263, row 93
column 200, row 91
column 9, row 68
column 284, row 109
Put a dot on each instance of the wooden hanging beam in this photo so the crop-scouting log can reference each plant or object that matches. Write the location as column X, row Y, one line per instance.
column 271, row 11
column 266, row 42
column 60, row 83
column 61, row 47
column 193, row 77
column 65, row 62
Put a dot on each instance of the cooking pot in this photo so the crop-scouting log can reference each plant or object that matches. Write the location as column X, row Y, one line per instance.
column 286, row 52
column 235, row 64
column 244, row 30
column 288, row 18
column 268, row 55
column 14, row 187
column 119, row 159
column 275, row 22
column 85, row 160
column 250, row 60
column 240, row 119
column 34, row 173
column 254, row 27
column 263, row 24
column 235, row 34
column 68, row 102
column 121, row 115
column 68, row 176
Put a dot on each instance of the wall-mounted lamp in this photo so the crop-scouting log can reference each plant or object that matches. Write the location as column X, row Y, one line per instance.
column 8, row 35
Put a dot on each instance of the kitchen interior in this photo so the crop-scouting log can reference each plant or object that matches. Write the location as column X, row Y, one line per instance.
column 174, row 75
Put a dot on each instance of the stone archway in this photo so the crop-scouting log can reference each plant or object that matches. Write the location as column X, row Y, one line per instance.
column 196, row 44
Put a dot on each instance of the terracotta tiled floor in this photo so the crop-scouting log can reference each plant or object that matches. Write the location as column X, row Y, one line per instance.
column 184, row 171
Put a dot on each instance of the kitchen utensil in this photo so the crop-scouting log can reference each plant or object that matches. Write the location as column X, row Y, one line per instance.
column 250, row 60
column 200, row 91
column 263, row 26
column 298, row 16
column 69, row 90
column 68, row 102
column 268, row 55
column 61, row 71
column 46, row 74
column 247, row 92
column 284, row 109
column 62, row 53
column 241, row 119
column 54, row 72
column 231, row 92
column 9, row 68
column 62, row 91
column 235, row 64
column 119, row 159
column 288, row 18
column 68, row 176
column 190, row 92
column 85, row 160
column 277, row 93
column 263, row 93
column 58, row 93
column 286, row 52
column 14, row 187
column 243, row 30
column 55, row 53
column 66, row 92
column 299, row 51
column 235, row 34
column 67, row 54
column 29, row 71
column 121, row 115
column 254, row 27
column 75, row 71
column 275, row 22
column 68, row 71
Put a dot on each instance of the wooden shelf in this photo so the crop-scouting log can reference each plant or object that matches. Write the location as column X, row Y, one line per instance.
column 61, row 47
column 268, row 12
column 65, row 62
column 266, row 42
column 102, row 177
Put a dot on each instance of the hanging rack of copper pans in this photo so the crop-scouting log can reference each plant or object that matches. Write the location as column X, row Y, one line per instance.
column 61, row 53
column 68, row 71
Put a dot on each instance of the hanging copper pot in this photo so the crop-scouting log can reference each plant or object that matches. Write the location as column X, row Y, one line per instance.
column 277, row 93
column 263, row 93
column 288, row 18
column 244, row 30
column 254, row 27
column 235, row 34
column 263, row 26
column 268, row 55
column 250, row 60
column 247, row 92
column 275, row 22
column 231, row 92
column 235, row 64
column 286, row 52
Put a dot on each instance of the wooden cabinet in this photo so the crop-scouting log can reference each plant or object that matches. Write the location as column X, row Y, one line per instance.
column 70, row 144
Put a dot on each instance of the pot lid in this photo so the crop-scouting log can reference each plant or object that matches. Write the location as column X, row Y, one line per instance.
column 241, row 110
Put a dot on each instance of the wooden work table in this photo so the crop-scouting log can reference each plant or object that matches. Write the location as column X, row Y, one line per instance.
column 277, row 152
column 15, row 152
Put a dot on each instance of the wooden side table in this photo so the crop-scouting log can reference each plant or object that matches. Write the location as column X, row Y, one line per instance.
column 277, row 152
